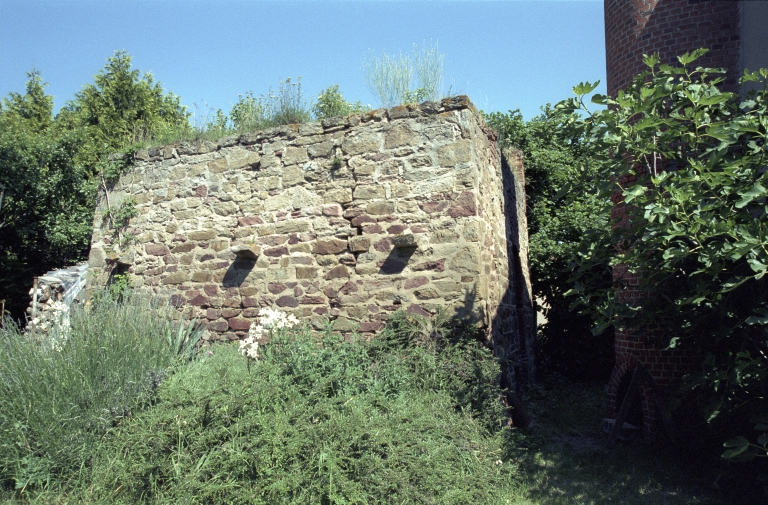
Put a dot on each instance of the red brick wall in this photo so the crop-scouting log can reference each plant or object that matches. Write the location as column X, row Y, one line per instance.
column 670, row 28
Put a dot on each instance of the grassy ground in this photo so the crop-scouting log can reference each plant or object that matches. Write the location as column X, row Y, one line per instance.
column 413, row 417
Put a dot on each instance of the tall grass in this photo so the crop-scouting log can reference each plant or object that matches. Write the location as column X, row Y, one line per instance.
column 391, row 78
column 56, row 402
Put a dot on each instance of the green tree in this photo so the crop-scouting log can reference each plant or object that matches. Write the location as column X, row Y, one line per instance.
column 697, row 232
column 562, row 206
column 46, row 207
column 121, row 108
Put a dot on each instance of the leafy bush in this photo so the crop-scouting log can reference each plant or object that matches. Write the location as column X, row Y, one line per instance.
column 391, row 78
column 696, row 232
column 331, row 103
column 56, row 402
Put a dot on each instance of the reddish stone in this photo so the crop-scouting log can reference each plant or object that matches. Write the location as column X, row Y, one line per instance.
column 373, row 309
column 301, row 260
column 172, row 268
column 353, row 212
column 371, row 326
column 276, row 287
column 337, row 272
column 433, row 207
column 212, row 314
column 156, row 249
column 297, row 291
column 274, row 240
column 387, row 219
column 383, row 245
column 349, row 287
column 179, row 238
column 331, row 246
column 292, row 284
column 396, row 229
column 249, row 221
column 416, row 309
column 372, row 229
column 332, row 210
column 435, row 266
column 287, row 301
column 201, row 191
column 359, row 220
column 177, row 300
column 198, row 301
column 250, row 301
column 182, row 248
column 206, row 257
column 419, row 228
column 416, row 282
column 211, row 289
column 321, row 310
column 348, row 259
column 330, row 292
column 312, row 300
column 293, row 239
column 276, row 252
column 170, row 259
column 464, row 206
column 239, row 324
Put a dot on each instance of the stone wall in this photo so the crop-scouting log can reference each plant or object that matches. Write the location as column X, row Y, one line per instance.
column 344, row 220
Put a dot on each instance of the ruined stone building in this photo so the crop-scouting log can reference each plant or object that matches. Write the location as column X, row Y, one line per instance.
column 341, row 221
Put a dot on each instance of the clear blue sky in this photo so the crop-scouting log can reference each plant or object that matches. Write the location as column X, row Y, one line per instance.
column 503, row 54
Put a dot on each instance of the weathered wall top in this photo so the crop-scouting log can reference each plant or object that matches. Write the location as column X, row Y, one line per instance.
column 344, row 220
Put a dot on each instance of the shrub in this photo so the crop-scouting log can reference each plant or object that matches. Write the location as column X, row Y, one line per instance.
column 406, row 419
column 56, row 401
column 331, row 103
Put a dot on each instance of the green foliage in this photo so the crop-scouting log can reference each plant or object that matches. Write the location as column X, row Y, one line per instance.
column 121, row 108
column 46, row 196
column 56, row 403
column 697, row 229
column 331, row 103
column 562, row 207
column 391, row 78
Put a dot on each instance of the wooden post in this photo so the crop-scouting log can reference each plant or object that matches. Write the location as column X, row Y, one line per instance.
column 34, row 304
column 629, row 398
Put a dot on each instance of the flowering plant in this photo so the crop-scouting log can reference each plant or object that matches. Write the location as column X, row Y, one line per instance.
column 269, row 320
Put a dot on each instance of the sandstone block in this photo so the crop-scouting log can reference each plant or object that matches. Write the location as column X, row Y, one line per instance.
column 156, row 249
column 331, row 246
column 338, row 195
column 359, row 244
column 175, row 278
column 202, row 234
column 287, row 301
column 380, row 207
column 368, row 192
column 246, row 251
column 239, row 324
column 400, row 135
column 337, row 272
column 303, row 272
column 364, row 142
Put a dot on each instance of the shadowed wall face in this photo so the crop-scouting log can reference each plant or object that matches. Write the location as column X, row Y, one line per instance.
column 344, row 221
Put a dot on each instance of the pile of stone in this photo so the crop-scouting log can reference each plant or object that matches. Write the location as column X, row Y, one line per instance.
column 56, row 290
